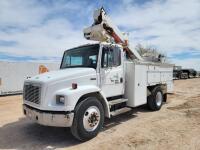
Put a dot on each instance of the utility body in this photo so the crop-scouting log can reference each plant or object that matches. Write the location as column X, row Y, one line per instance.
column 96, row 81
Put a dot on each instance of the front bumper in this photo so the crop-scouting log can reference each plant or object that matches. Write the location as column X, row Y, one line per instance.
column 49, row 118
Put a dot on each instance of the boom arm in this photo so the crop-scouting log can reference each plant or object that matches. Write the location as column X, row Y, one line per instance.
column 104, row 30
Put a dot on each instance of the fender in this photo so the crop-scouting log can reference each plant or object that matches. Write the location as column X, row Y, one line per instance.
column 73, row 95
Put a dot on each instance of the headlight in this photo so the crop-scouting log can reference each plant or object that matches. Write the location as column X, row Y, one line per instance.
column 60, row 99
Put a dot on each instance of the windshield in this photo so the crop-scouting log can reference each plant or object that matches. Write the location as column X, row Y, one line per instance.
column 86, row 56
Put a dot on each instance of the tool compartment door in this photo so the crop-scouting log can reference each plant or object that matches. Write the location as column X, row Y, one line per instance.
column 136, row 84
column 140, row 84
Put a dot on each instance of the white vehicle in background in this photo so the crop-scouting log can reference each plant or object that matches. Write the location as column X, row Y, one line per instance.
column 96, row 81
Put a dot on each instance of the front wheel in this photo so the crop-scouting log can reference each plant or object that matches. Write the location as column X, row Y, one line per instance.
column 88, row 119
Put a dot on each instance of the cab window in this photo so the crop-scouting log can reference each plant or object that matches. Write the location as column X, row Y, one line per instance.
column 86, row 56
column 111, row 57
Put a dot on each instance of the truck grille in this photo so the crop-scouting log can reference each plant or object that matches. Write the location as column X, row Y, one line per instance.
column 32, row 93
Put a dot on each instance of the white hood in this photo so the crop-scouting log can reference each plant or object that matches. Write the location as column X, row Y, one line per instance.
column 62, row 74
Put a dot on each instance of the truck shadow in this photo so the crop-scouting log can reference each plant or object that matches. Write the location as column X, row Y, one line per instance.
column 114, row 121
column 24, row 134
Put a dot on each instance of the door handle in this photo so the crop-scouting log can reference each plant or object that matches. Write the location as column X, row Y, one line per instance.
column 92, row 78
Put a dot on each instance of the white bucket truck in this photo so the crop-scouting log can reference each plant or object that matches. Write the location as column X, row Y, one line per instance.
column 96, row 81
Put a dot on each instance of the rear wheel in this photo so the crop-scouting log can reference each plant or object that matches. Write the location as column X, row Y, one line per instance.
column 88, row 119
column 155, row 100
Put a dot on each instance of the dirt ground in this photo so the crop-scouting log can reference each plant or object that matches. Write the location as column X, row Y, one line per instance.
column 175, row 126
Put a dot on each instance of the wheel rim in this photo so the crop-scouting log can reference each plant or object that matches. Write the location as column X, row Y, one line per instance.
column 91, row 118
column 159, row 98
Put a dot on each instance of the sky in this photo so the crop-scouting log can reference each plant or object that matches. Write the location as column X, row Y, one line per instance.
column 40, row 30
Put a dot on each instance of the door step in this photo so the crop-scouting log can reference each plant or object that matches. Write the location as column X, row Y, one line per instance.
column 117, row 101
column 120, row 111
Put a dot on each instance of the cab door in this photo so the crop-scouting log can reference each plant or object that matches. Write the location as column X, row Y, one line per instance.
column 112, row 72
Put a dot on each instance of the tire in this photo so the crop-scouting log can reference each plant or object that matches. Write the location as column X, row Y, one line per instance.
column 86, row 124
column 155, row 100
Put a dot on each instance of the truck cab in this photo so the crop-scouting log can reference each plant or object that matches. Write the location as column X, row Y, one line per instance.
column 94, row 70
